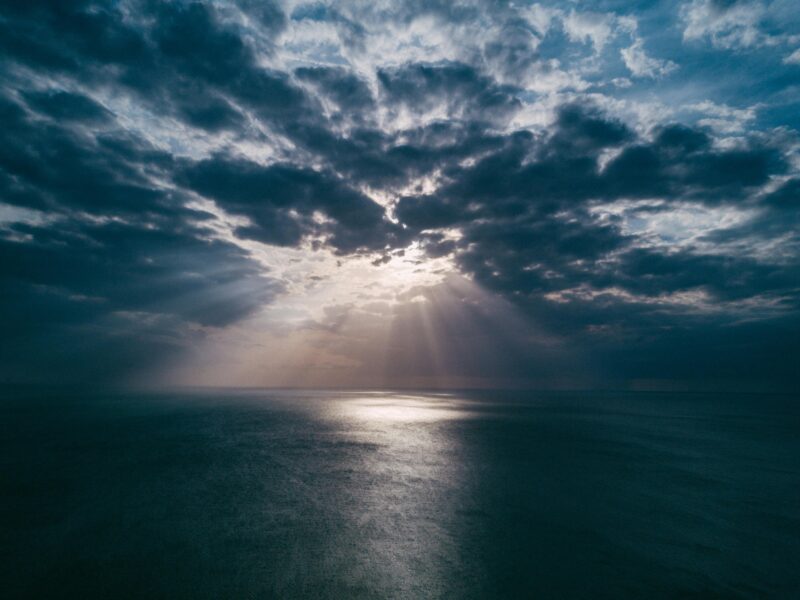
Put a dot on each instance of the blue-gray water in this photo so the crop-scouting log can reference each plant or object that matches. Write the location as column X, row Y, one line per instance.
column 346, row 495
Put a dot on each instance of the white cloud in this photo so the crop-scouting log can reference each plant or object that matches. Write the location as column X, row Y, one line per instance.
column 793, row 58
column 540, row 17
column 722, row 118
column 585, row 27
column 642, row 65
column 729, row 27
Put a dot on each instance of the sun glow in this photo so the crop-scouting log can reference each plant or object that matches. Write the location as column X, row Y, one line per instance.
column 322, row 279
column 385, row 407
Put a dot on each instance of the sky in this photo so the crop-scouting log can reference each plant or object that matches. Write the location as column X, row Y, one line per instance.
column 400, row 194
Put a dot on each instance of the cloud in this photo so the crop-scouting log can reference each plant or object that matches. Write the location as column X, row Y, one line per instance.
column 726, row 24
column 74, row 290
column 66, row 106
column 458, row 90
column 737, row 24
column 597, row 28
column 347, row 91
column 285, row 204
column 159, row 161
column 528, row 233
column 642, row 65
column 724, row 119
column 681, row 163
column 793, row 58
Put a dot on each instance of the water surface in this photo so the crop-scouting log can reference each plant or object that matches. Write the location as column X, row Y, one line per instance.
column 245, row 494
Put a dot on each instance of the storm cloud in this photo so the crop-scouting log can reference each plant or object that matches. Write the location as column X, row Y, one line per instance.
column 173, row 171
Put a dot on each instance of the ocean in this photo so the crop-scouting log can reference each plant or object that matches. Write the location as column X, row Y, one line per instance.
column 292, row 494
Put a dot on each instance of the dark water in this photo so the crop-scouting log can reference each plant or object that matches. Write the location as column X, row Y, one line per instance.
column 376, row 495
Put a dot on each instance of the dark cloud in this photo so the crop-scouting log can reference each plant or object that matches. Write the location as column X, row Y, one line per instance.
column 191, row 41
column 67, row 106
column 583, row 130
column 114, row 273
column 368, row 156
column 178, row 57
column 528, row 233
column 350, row 93
column 63, row 169
column 528, row 175
column 464, row 91
column 680, row 163
column 74, row 36
column 192, row 48
column 129, row 268
column 725, row 278
column 75, row 287
column 208, row 112
column 775, row 217
column 283, row 201
column 786, row 197
column 108, row 250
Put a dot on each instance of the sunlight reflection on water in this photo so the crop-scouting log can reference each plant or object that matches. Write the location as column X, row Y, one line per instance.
column 406, row 488
column 403, row 408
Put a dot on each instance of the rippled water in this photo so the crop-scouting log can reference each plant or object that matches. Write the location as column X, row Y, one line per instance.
column 379, row 495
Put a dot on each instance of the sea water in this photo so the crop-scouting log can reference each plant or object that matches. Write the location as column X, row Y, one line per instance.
column 290, row 494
